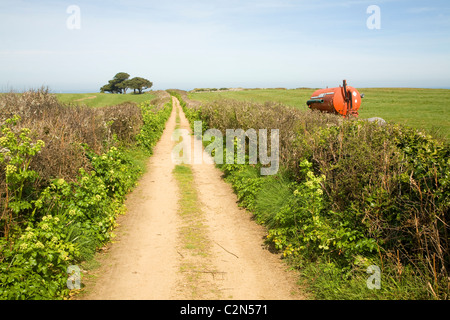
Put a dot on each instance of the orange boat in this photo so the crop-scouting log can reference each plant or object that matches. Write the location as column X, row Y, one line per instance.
column 344, row 100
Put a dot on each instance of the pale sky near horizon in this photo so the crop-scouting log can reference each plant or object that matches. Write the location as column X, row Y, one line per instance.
column 201, row 43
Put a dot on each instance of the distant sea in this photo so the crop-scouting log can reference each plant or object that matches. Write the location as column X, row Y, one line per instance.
column 154, row 89
column 95, row 90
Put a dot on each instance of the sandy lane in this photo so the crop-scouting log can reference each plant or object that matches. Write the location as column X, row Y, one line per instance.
column 146, row 260
column 142, row 263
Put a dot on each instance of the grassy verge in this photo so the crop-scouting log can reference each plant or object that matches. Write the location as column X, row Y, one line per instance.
column 193, row 232
column 195, row 265
column 195, row 245
column 295, row 98
column 103, row 99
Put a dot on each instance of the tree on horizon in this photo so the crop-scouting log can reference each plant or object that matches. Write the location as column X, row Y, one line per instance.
column 138, row 83
column 121, row 83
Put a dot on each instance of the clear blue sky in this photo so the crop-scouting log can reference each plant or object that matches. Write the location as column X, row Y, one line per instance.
column 226, row 43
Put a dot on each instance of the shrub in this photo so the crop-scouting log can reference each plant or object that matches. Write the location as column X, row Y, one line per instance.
column 155, row 120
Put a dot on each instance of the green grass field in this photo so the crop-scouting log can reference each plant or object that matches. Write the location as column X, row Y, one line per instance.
column 102, row 99
column 427, row 109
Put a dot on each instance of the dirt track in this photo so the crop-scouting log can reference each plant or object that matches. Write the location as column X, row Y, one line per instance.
column 148, row 259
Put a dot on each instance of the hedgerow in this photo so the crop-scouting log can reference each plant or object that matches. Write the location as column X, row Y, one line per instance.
column 349, row 194
column 50, row 222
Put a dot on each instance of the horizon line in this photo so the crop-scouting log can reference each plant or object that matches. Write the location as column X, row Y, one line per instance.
column 217, row 89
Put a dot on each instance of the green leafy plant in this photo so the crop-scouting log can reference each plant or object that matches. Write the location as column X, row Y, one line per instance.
column 17, row 150
column 37, row 262
column 64, row 221
column 154, row 121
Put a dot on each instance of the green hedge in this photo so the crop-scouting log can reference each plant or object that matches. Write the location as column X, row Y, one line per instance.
column 348, row 194
column 68, row 220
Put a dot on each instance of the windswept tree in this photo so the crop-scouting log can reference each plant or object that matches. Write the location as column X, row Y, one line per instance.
column 117, row 84
column 121, row 83
column 107, row 88
column 139, row 84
